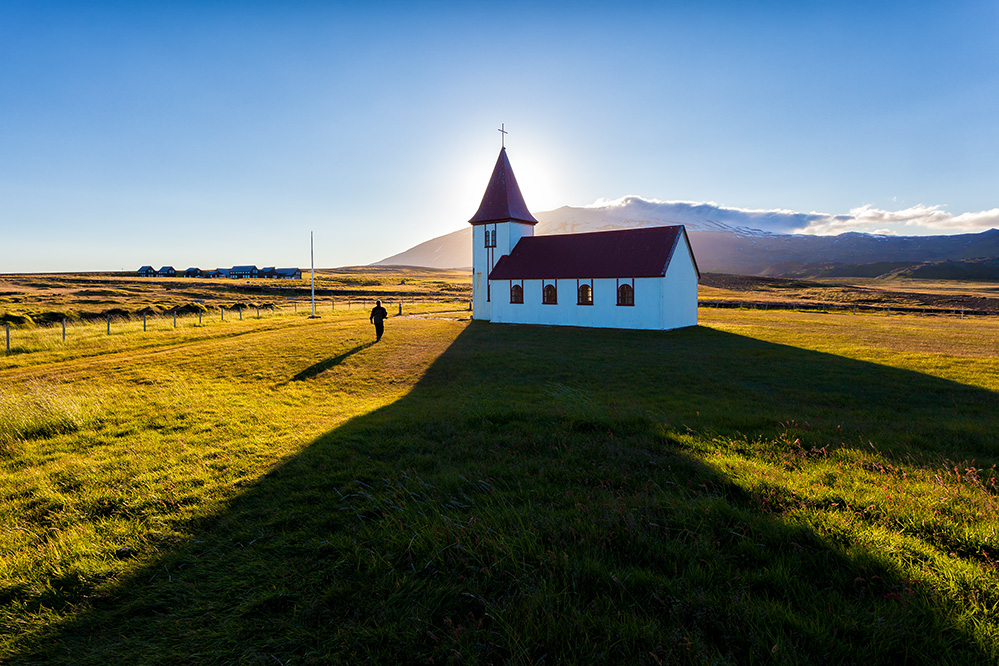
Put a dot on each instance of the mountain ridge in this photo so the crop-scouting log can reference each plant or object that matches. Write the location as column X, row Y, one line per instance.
column 722, row 245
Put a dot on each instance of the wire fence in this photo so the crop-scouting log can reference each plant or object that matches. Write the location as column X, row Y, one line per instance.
column 107, row 331
column 110, row 327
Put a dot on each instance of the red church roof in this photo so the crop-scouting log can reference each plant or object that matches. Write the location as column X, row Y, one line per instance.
column 606, row 254
column 502, row 200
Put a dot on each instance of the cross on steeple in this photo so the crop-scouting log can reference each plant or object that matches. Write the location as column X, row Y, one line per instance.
column 504, row 132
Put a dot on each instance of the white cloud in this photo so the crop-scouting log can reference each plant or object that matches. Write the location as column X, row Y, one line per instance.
column 913, row 221
column 623, row 201
column 916, row 220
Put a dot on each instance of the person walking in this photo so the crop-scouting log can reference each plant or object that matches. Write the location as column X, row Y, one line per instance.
column 378, row 315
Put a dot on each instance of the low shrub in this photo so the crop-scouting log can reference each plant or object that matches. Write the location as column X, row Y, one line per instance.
column 16, row 320
column 190, row 308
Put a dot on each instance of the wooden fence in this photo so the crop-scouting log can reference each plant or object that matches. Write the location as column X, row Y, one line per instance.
column 33, row 338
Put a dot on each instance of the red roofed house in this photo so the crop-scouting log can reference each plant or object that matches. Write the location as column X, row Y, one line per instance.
column 633, row 278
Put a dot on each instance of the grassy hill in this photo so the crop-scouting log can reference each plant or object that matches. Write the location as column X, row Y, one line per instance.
column 765, row 488
column 980, row 269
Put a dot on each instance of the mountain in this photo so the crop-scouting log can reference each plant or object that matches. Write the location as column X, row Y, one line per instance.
column 729, row 240
column 453, row 250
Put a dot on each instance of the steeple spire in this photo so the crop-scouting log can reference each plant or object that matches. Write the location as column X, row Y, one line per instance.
column 502, row 201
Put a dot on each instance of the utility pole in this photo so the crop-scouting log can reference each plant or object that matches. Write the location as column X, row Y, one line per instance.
column 312, row 258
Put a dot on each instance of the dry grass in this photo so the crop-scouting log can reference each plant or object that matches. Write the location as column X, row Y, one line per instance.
column 82, row 294
column 768, row 487
column 899, row 293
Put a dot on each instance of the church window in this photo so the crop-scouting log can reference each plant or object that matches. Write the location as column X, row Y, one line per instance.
column 625, row 295
column 549, row 295
column 516, row 293
column 584, row 295
column 490, row 238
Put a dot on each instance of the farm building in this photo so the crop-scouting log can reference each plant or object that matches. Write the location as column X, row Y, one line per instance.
column 634, row 278
column 243, row 272
column 234, row 272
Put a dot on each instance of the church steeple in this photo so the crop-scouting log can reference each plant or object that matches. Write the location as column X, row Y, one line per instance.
column 502, row 201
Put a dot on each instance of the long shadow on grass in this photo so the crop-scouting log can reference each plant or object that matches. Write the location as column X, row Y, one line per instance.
column 530, row 502
column 328, row 363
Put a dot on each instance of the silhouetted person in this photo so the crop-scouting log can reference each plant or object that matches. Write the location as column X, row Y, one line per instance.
column 378, row 315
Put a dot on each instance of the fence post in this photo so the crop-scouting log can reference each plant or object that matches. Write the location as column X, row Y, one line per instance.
column 258, row 312
column 241, row 314
column 962, row 313
column 64, row 330
column 143, row 322
column 7, row 326
column 175, row 318
column 400, row 308
column 222, row 312
column 887, row 310
column 294, row 304
column 109, row 324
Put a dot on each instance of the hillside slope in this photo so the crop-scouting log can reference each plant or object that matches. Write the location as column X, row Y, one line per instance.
column 726, row 249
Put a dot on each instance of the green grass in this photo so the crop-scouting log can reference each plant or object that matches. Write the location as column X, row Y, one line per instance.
column 33, row 346
column 766, row 488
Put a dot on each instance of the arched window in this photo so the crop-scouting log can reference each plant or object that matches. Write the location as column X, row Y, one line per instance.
column 584, row 296
column 549, row 295
column 516, row 293
column 625, row 295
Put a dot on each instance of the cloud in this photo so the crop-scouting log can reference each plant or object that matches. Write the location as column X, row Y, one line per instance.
column 915, row 221
column 919, row 219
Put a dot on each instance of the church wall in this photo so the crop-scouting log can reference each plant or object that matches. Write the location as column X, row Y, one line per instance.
column 679, row 295
column 483, row 260
column 649, row 311
column 480, row 269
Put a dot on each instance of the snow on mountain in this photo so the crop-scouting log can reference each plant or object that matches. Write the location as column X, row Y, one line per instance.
column 632, row 211
column 731, row 240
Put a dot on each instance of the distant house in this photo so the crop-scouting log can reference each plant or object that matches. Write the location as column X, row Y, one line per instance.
column 237, row 272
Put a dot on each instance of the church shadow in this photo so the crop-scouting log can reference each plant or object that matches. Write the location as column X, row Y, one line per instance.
column 326, row 364
column 527, row 502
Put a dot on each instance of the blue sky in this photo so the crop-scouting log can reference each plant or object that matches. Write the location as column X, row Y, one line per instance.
column 221, row 133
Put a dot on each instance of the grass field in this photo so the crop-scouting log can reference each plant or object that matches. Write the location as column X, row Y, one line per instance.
column 840, row 293
column 765, row 488
column 52, row 297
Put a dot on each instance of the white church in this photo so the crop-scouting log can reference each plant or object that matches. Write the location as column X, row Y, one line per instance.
column 634, row 278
